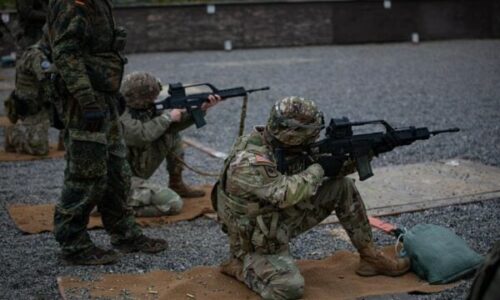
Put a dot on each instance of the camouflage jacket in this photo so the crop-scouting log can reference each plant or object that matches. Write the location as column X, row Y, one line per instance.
column 146, row 137
column 85, row 45
column 251, row 175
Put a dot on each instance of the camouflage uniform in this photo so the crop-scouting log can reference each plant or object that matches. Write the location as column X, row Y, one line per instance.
column 85, row 45
column 32, row 15
column 150, row 140
column 262, row 209
column 30, row 134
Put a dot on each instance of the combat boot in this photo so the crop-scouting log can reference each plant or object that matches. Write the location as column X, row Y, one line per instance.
column 375, row 262
column 177, row 184
column 92, row 256
column 233, row 268
column 141, row 243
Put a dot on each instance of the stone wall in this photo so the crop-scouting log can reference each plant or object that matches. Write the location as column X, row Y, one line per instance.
column 298, row 23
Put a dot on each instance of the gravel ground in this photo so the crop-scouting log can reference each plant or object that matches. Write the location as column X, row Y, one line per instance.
column 439, row 85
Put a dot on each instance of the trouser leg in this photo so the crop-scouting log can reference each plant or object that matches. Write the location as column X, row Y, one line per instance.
column 117, row 217
column 274, row 276
column 84, row 185
column 340, row 195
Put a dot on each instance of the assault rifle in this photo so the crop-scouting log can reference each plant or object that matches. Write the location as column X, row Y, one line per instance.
column 340, row 144
column 192, row 103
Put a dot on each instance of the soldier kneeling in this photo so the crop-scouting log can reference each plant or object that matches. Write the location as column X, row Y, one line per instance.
column 151, row 139
column 262, row 209
column 29, row 107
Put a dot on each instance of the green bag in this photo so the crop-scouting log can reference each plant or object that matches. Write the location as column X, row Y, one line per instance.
column 438, row 255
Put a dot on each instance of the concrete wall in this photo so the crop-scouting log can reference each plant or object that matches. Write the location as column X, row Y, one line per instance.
column 296, row 23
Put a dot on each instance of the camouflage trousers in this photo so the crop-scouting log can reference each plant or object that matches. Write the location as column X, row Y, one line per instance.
column 96, row 173
column 145, row 163
column 29, row 136
column 268, row 268
column 151, row 200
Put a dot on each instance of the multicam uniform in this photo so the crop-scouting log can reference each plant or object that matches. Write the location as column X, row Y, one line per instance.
column 262, row 209
column 30, row 134
column 85, row 45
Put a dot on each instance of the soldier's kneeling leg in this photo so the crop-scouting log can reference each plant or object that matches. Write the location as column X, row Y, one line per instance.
column 274, row 276
column 167, row 201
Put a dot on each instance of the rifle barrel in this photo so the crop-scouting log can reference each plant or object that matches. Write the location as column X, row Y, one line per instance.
column 259, row 89
column 436, row 132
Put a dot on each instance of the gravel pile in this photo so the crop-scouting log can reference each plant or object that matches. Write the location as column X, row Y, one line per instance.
column 439, row 85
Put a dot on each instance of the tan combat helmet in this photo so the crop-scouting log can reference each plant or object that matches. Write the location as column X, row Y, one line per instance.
column 295, row 121
column 140, row 89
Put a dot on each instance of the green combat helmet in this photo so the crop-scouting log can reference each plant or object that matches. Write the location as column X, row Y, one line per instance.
column 295, row 121
column 140, row 89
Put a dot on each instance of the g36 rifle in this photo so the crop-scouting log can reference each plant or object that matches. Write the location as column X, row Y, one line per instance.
column 192, row 102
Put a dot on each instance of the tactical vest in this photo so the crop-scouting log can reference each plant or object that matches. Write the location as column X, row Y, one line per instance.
column 241, row 214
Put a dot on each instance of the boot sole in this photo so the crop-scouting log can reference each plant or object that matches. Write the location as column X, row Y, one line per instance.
column 370, row 273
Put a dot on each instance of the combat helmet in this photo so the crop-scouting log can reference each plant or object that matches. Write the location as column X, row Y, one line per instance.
column 140, row 89
column 295, row 121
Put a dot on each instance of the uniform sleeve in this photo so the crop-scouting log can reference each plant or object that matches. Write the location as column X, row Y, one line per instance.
column 70, row 29
column 25, row 9
column 262, row 179
column 137, row 133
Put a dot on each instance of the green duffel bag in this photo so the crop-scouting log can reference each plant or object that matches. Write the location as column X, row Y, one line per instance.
column 438, row 255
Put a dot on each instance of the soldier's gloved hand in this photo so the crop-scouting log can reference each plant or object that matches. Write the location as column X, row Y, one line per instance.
column 330, row 165
column 93, row 116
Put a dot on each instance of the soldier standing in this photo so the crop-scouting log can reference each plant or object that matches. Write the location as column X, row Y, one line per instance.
column 85, row 49
column 262, row 209
column 152, row 139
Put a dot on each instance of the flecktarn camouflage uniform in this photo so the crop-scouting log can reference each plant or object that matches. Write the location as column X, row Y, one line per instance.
column 85, row 45
column 261, row 209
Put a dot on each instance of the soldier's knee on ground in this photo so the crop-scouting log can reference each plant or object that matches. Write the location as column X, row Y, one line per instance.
column 167, row 201
column 273, row 276
column 285, row 286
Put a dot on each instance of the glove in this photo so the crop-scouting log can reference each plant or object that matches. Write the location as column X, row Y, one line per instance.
column 93, row 117
column 330, row 165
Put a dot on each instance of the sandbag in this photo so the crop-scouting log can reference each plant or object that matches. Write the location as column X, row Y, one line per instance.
column 438, row 255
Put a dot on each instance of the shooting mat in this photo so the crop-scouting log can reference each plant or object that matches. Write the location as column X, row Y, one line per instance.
column 39, row 218
column 9, row 156
column 330, row 278
column 4, row 121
